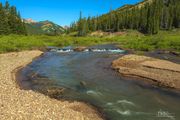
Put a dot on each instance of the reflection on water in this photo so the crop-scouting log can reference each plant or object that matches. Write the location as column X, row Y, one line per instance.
column 86, row 76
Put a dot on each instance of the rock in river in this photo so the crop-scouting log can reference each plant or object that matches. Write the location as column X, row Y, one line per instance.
column 54, row 92
column 79, row 49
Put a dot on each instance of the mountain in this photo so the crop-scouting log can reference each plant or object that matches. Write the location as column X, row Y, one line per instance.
column 29, row 20
column 42, row 27
column 138, row 5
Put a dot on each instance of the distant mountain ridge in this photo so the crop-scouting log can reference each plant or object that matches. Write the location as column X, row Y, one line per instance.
column 137, row 5
column 29, row 20
column 42, row 27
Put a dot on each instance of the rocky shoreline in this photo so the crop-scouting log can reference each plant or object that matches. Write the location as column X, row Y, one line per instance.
column 22, row 104
column 162, row 73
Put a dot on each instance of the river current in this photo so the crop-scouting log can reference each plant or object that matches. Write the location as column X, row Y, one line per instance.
column 87, row 76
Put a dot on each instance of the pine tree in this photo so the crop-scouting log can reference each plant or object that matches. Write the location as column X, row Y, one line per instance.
column 4, row 28
column 80, row 25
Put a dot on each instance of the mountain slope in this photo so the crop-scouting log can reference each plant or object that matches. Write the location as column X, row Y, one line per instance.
column 43, row 27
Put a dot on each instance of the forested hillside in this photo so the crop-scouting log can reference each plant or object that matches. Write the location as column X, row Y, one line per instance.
column 10, row 20
column 148, row 17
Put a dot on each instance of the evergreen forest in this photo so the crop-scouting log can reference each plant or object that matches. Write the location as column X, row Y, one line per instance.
column 148, row 17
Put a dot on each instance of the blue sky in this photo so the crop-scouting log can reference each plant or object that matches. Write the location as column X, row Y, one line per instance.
column 63, row 12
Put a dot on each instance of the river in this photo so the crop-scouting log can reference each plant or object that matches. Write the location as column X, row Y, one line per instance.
column 87, row 76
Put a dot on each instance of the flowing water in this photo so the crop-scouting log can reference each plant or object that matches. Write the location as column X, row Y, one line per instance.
column 87, row 76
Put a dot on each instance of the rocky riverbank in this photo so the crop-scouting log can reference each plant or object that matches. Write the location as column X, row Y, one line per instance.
column 23, row 104
column 159, row 72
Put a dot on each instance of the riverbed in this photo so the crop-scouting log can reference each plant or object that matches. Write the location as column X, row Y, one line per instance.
column 18, row 104
column 87, row 76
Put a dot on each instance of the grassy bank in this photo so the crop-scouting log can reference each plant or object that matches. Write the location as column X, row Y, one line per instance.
column 165, row 40
column 17, row 43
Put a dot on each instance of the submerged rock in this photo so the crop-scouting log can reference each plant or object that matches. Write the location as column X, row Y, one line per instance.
column 83, row 84
column 54, row 92
column 175, row 53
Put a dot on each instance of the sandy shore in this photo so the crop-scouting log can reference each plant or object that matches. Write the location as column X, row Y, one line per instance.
column 28, row 105
column 160, row 72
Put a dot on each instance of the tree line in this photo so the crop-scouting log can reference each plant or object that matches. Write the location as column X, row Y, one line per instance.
column 10, row 20
column 147, row 17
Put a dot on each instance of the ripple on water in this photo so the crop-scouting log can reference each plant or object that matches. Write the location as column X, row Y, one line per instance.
column 125, row 102
column 94, row 93
column 126, row 112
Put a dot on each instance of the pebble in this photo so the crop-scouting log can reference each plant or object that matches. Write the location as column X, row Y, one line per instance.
column 28, row 105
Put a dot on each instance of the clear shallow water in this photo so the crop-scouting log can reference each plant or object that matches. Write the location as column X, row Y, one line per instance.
column 87, row 77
